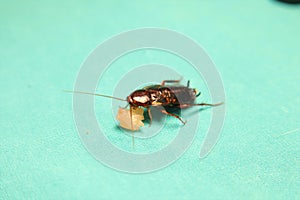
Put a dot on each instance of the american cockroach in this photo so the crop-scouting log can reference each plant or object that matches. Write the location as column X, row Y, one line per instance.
column 171, row 96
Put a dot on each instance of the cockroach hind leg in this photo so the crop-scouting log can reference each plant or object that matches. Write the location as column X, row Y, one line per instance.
column 216, row 104
column 200, row 104
column 173, row 115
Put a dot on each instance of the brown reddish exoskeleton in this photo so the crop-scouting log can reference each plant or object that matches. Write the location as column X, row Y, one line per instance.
column 173, row 96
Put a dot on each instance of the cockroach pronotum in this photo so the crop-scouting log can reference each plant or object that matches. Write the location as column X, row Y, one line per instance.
column 171, row 96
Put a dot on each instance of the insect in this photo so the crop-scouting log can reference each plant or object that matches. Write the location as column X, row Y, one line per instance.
column 176, row 96
column 171, row 96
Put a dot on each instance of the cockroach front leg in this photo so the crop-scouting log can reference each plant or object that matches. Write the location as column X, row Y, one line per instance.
column 173, row 115
column 150, row 115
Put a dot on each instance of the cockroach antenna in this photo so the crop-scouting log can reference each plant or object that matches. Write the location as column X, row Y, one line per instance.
column 101, row 95
column 107, row 96
column 131, row 124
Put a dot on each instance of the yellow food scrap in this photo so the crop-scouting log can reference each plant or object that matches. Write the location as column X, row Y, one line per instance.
column 125, row 120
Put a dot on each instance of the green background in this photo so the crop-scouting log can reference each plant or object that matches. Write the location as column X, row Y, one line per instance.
column 255, row 46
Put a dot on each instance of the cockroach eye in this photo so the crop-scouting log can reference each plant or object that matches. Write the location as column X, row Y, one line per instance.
column 129, row 99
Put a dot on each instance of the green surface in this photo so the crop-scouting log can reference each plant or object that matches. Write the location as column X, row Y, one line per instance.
column 254, row 44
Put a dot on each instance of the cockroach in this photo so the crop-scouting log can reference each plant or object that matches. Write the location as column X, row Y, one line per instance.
column 171, row 96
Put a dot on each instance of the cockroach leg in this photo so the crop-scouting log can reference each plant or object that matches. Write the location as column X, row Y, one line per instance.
column 131, row 124
column 150, row 115
column 170, row 81
column 207, row 104
column 188, row 83
column 198, row 104
column 173, row 115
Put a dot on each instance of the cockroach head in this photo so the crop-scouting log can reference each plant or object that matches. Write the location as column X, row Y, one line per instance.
column 139, row 98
